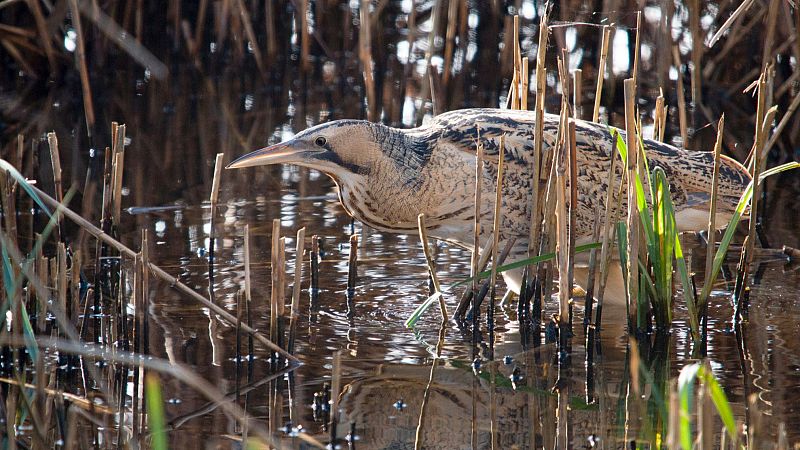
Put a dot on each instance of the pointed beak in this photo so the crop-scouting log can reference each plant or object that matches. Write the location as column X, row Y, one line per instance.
column 281, row 153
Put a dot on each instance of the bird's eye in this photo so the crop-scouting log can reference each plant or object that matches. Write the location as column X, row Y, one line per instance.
column 320, row 141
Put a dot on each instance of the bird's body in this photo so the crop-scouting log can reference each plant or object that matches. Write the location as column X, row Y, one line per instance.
column 388, row 176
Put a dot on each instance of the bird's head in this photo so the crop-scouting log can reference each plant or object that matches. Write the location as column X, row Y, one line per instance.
column 343, row 149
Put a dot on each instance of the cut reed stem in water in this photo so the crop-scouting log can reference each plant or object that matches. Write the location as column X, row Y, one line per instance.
column 498, row 206
column 154, row 269
column 632, row 222
column 712, row 216
column 298, row 276
column 352, row 266
column 213, row 214
column 530, row 273
column 423, row 237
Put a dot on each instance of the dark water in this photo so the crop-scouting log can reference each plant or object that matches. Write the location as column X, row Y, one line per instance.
column 176, row 127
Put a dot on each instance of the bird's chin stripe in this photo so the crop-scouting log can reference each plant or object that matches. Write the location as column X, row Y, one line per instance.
column 333, row 158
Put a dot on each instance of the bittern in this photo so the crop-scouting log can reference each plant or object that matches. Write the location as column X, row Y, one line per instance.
column 388, row 176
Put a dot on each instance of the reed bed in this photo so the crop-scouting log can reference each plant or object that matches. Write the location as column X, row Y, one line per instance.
column 45, row 271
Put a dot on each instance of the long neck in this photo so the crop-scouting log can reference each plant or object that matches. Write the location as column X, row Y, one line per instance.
column 415, row 175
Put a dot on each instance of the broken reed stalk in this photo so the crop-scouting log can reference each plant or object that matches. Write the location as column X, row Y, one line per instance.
column 352, row 266
column 296, row 287
column 577, row 95
column 423, row 237
column 608, row 231
column 55, row 161
column 660, row 119
column 118, row 158
column 154, row 269
column 213, row 214
column 314, row 263
column 470, row 293
column 676, row 56
column 601, row 71
column 524, row 85
column 534, row 235
column 498, row 206
column 275, row 280
column 632, row 221
column 712, row 214
column 476, row 226
column 562, row 239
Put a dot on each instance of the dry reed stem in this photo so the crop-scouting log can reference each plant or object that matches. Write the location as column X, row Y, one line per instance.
column 176, row 371
column 637, row 48
column 423, row 237
column 365, row 55
column 498, row 204
column 601, row 70
column 251, row 36
column 55, row 160
column 741, row 9
column 523, row 91
column 282, row 277
column 697, row 51
column 538, row 143
column 80, row 61
column 124, row 40
column 305, row 42
column 157, row 271
column 476, row 226
column 660, row 120
column 314, row 263
column 577, row 94
column 296, row 288
column 676, row 56
column 274, row 279
column 218, row 166
column 562, row 239
column 633, row 217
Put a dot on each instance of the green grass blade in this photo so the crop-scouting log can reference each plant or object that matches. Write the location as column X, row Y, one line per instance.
column 6, row 167
column 155, row 412
column 686, row 381
column 421, row 309
column 744, row 200
column 720, row 402
column 523, row 263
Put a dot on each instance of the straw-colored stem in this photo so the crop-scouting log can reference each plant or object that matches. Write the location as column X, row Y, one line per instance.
column 712, row 215
column 538, row 143
column 498, row 204
column 423, row 237
column 296, row 288
column 676, row 56
column 562, row 238
column 476, row 226
column 577, row 94
column 637, row 49
column 633, row 216
column 601, row 71
column 155, row 270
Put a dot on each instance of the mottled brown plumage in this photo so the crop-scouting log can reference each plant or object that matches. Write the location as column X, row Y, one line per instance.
column 387, row 176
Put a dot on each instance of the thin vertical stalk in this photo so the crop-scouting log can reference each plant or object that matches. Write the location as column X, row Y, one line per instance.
column 498, row 206
column 423, row 237
column 298, row 276
column 601, row 71
column 577, row 94
column 633, row 216
column 712, row 214
column 608, row 231
column 676, row 56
